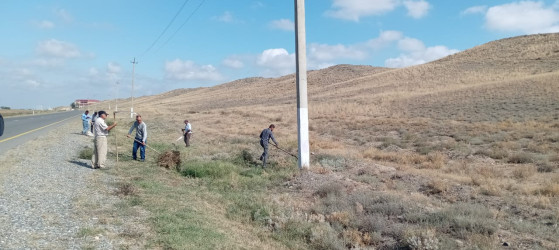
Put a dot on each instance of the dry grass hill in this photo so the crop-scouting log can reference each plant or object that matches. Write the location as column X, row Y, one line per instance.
column 462, row 152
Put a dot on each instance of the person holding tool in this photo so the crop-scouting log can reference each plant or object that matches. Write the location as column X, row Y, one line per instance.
column 140, row 138
column 265, row 137
column 187, row 133
column 100, row 142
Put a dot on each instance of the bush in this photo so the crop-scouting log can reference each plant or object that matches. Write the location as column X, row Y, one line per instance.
column 520, row 158
column 86, row 153
column 213, row 169
column 460, row 220
column 327, row 189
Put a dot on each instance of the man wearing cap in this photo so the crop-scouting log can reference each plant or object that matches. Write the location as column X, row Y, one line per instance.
column 101, row 130
column 139, row 139
column 187, row 132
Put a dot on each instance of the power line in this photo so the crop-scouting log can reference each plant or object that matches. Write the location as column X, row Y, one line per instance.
column 166, row 28
column 177, row 31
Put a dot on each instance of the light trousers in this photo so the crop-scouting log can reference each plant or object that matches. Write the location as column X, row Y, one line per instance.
column 99, row 152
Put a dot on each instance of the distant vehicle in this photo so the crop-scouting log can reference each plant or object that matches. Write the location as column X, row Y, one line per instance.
column 1, row 125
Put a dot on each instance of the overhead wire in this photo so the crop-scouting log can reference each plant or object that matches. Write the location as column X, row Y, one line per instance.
column 166, row 28
column 187, row 19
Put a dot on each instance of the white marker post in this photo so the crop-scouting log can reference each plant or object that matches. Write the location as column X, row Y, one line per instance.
column 133, row 72
column 302, row 105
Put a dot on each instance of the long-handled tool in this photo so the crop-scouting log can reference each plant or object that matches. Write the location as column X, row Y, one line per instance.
column 285, row 151
column 147, row 146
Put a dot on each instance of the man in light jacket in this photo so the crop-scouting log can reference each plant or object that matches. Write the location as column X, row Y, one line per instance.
column 139, row 139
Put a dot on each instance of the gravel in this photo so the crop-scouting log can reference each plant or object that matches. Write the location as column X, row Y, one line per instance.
column 45, row 192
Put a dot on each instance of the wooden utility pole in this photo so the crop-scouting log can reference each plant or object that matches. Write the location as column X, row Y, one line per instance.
column 302, row 104
column 133, row 71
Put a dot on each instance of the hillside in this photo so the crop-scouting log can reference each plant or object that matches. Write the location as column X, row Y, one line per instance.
column 461, row 152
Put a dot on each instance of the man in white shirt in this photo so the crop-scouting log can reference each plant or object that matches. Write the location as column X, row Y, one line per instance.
column 101, row 130
column 187, row 132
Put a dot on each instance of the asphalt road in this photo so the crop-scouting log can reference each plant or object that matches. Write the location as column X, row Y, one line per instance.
column 18, row 130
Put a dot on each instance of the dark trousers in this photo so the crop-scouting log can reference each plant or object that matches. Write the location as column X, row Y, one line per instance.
column 264, row 156
column 135, row 149
column 187, row 139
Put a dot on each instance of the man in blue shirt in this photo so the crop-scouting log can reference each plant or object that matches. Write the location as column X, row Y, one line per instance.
column 265, row 137
column 85, row 122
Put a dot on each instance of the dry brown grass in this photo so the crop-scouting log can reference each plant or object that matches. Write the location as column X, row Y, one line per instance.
column 478, row 127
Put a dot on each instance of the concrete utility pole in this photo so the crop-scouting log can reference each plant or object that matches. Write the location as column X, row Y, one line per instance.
column 133, row 71
column 302, row 104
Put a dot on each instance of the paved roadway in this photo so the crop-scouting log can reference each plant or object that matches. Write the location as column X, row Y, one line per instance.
column 20, row 129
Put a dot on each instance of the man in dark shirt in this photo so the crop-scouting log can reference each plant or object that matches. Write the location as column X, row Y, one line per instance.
column 1, row 125
column 265, row 137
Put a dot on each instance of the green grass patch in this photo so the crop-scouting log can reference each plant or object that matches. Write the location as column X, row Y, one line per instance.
column 185, row 229
column 86, row 153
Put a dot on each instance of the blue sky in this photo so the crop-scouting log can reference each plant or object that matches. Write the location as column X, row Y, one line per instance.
column 55, row 51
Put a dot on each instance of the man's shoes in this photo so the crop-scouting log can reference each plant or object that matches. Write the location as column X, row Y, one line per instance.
column 142, row 160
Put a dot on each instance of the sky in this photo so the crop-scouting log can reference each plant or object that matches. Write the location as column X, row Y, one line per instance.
column 55, row 51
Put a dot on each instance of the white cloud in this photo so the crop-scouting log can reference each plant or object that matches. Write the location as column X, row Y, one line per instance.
column 227, row 17
column 410, row 45
column 325, row 52
column 417, row 53
column 417, row 9
column 232, row 62
column 45, row 24
column 481, row 9
column 32, row 83
column 57, row 49
column 528, row 17
column 93, row 71
column 355, row 9
column 113, row 68
column 64, row 15
column 276, row 62
column 190, row 71
column 385, row 38
column 283, row 24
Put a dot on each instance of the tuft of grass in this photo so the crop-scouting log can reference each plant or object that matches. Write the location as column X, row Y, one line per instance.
column 519, row 158
column 125, row 189
column 213, row 169
column 550, row 189
column 330, row 189
column 524, row 172
column 460, row 219
column 86, row 153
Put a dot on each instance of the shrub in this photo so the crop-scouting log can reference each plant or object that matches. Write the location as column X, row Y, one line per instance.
column 551, row 189
column 422, row 240
column 461, row 220
column 327, row 189
column 524, row 172
column 213, row 169
column 519, row 158
column 86, row 153
column 323, row 236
